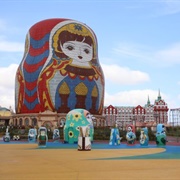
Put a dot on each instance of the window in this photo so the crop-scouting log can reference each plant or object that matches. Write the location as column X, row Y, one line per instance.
column 20, row 122
column 26, row 122
column 34, row 122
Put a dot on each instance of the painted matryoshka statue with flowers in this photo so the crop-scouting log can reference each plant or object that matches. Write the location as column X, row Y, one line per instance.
column 74, row 120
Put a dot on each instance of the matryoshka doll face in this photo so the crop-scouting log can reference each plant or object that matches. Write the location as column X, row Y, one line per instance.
column 77, row 43
column 129, row 129
column 78, row 51
column 42, row 133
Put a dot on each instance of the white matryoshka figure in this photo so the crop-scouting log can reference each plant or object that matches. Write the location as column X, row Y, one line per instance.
column 32, row 135
column 56, row 135
column 6, row 137
column 84, row 141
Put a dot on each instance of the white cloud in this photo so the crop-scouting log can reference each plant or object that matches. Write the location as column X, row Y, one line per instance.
column 139, row 97
column 134, row 52
column 169, row 55
column 163, row 57
column 129, row 49
column 170, row 7
column 7, row 82
column 173, row 103
column 8, row 46
column 7, row 33
column 131, row 98
column 161, row 7
column 123, row 75
column 179, row 99
column 123, row 98
column 2, row 25
column 155, row 7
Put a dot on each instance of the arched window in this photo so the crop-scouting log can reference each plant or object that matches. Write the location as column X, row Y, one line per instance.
column 26, row 122
column 34, row 122
column 20, row 122
column 15, row 122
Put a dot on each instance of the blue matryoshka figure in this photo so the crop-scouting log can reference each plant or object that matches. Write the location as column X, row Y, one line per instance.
column 130, row 135
column 6, row 137
column 161, row 135
column 32, row 135
column 144, row 138
column 115, row 138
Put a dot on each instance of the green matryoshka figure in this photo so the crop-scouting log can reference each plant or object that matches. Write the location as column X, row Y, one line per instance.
column 74, row 119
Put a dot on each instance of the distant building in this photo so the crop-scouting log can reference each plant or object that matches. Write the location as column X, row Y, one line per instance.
column 174, row 117
column 5, row 116
column 149, row 115
column 160, row 110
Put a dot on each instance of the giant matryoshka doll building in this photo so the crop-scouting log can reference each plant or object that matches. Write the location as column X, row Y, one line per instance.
column 59, row 72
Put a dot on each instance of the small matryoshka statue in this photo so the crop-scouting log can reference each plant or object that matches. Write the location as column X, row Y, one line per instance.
column 56, row 135
column 130, row 135
column 84, row 141
column 115, row 138
column 32, row 135
column 75, row 119
column 161, row 135
column 144, row 138
column 42, row 137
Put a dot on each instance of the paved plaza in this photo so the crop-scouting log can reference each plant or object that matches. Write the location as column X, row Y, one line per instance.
column 21, row 160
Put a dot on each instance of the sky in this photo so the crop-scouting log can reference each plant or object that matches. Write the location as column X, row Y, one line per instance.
column 138, row 45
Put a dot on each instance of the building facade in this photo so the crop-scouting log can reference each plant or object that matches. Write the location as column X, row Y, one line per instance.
column 174, row 117
column 47, row 118
column 5, row 116
column 149, row 115
column 140, row 116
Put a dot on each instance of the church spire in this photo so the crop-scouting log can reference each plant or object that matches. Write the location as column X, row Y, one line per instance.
column 148, row 101
column 159, row 96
